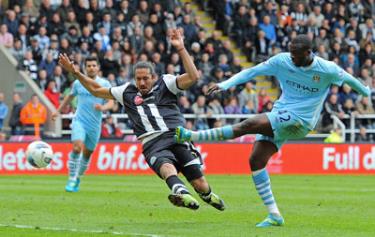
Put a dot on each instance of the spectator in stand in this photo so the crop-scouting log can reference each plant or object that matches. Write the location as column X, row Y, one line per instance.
column 11, row 21
column 249, row 108
column 347, row 93
column 6, row 38
column 14, row 119
column 110, row 129
column 52, row 93
column 335, row 136
column 42, row 38
column 363, row 136
column 248, row 93
column 239, row 24
column 3, row 110
column 42, row 79
column 35, row 49
column 263, row 98
column 17, row 50
column 48, row 64
column 30, row 65
column 262, row 46
column 269, row 29
column 200, row 108
column 364, row 107
column 33, row 114
column 331, row 107
column 215, row 107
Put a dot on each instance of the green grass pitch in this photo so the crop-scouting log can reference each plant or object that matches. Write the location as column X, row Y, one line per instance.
column 138, row 206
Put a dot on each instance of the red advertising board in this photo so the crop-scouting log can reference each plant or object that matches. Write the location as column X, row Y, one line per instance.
column 219, row 158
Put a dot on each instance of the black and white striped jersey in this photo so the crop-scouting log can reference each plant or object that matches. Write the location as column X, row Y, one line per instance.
column 157, row 112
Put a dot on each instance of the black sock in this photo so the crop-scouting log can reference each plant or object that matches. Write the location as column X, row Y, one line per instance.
column 176, row 185
column 205, row 195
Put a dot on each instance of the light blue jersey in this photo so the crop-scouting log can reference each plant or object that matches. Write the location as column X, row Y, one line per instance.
column 304, row 89
column 86, row 113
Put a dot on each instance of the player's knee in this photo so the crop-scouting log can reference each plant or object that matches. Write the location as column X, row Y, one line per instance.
column 166, row 170
column 256, row 163
column 200, row 185
column 192, row 172
column 77, row 148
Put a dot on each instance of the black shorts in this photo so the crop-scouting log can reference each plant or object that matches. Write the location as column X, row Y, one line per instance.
column 165, row 150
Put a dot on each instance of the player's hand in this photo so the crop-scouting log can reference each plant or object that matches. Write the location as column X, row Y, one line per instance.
column 177, row 39
column 67, row 64
column 213, row 89
column 54, row 116
column 98, row 107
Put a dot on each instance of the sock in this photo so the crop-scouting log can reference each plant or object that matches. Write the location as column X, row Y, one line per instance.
column 215, row 134
column 205, row 196
column 84, row 163
column 73, row 165
column 263, row 186
column 176, row 185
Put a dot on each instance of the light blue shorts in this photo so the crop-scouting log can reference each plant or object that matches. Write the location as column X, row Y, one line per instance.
column 89, row 137
column 285, row 125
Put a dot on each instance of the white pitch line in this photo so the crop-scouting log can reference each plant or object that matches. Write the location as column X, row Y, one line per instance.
column 77, row 230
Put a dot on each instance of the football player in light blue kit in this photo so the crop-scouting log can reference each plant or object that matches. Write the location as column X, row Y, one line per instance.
column 86, row 124
column 305, row 81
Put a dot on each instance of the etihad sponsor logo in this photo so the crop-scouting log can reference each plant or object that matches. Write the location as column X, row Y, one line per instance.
column 301, row 87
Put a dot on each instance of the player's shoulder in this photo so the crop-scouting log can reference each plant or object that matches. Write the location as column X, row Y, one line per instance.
column 326, row 65
column 279, row 58
column 77, row 83
column 103, row 81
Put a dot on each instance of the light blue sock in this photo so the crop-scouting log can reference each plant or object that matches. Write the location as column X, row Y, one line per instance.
column 73, row 163
column 84, row 163
column 215, row 134
column 263, row 186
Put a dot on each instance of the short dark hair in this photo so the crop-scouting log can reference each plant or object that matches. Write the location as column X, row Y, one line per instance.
column 144, row 65
column 91, row 58
column 302, row 42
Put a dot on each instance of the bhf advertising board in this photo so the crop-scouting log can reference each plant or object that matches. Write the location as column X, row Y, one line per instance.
column 219, row 158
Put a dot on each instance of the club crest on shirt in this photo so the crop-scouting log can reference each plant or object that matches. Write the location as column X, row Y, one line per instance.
column 316, row 78
column 138, row 100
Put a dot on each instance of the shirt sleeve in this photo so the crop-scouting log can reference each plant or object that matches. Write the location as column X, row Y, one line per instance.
column 74, row 89
column 118, row 92
column 267, row 68
column 171, row 83
column 340, row 76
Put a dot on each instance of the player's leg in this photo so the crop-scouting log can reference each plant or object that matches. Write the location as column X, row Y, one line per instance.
column 73, row 163
column 205, row 192
column 258, row 124
column 78, row 136
column 163, row 164
column 262, row 152
column 189, row 163
column 92, row 139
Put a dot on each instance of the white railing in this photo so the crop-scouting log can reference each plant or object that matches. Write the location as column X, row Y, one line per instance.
column 352, row 130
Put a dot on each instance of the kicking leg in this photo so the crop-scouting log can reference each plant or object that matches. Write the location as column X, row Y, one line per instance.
column 262, row 152
column 258, row 124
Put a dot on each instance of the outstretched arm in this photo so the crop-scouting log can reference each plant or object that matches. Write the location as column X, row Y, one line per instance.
column 268, row 68
column 186, row 80
column 67, row 100
column 107, row 106
column 356, row 84
column 93, row 87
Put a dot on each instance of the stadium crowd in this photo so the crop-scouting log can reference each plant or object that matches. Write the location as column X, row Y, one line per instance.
column 122, row 32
